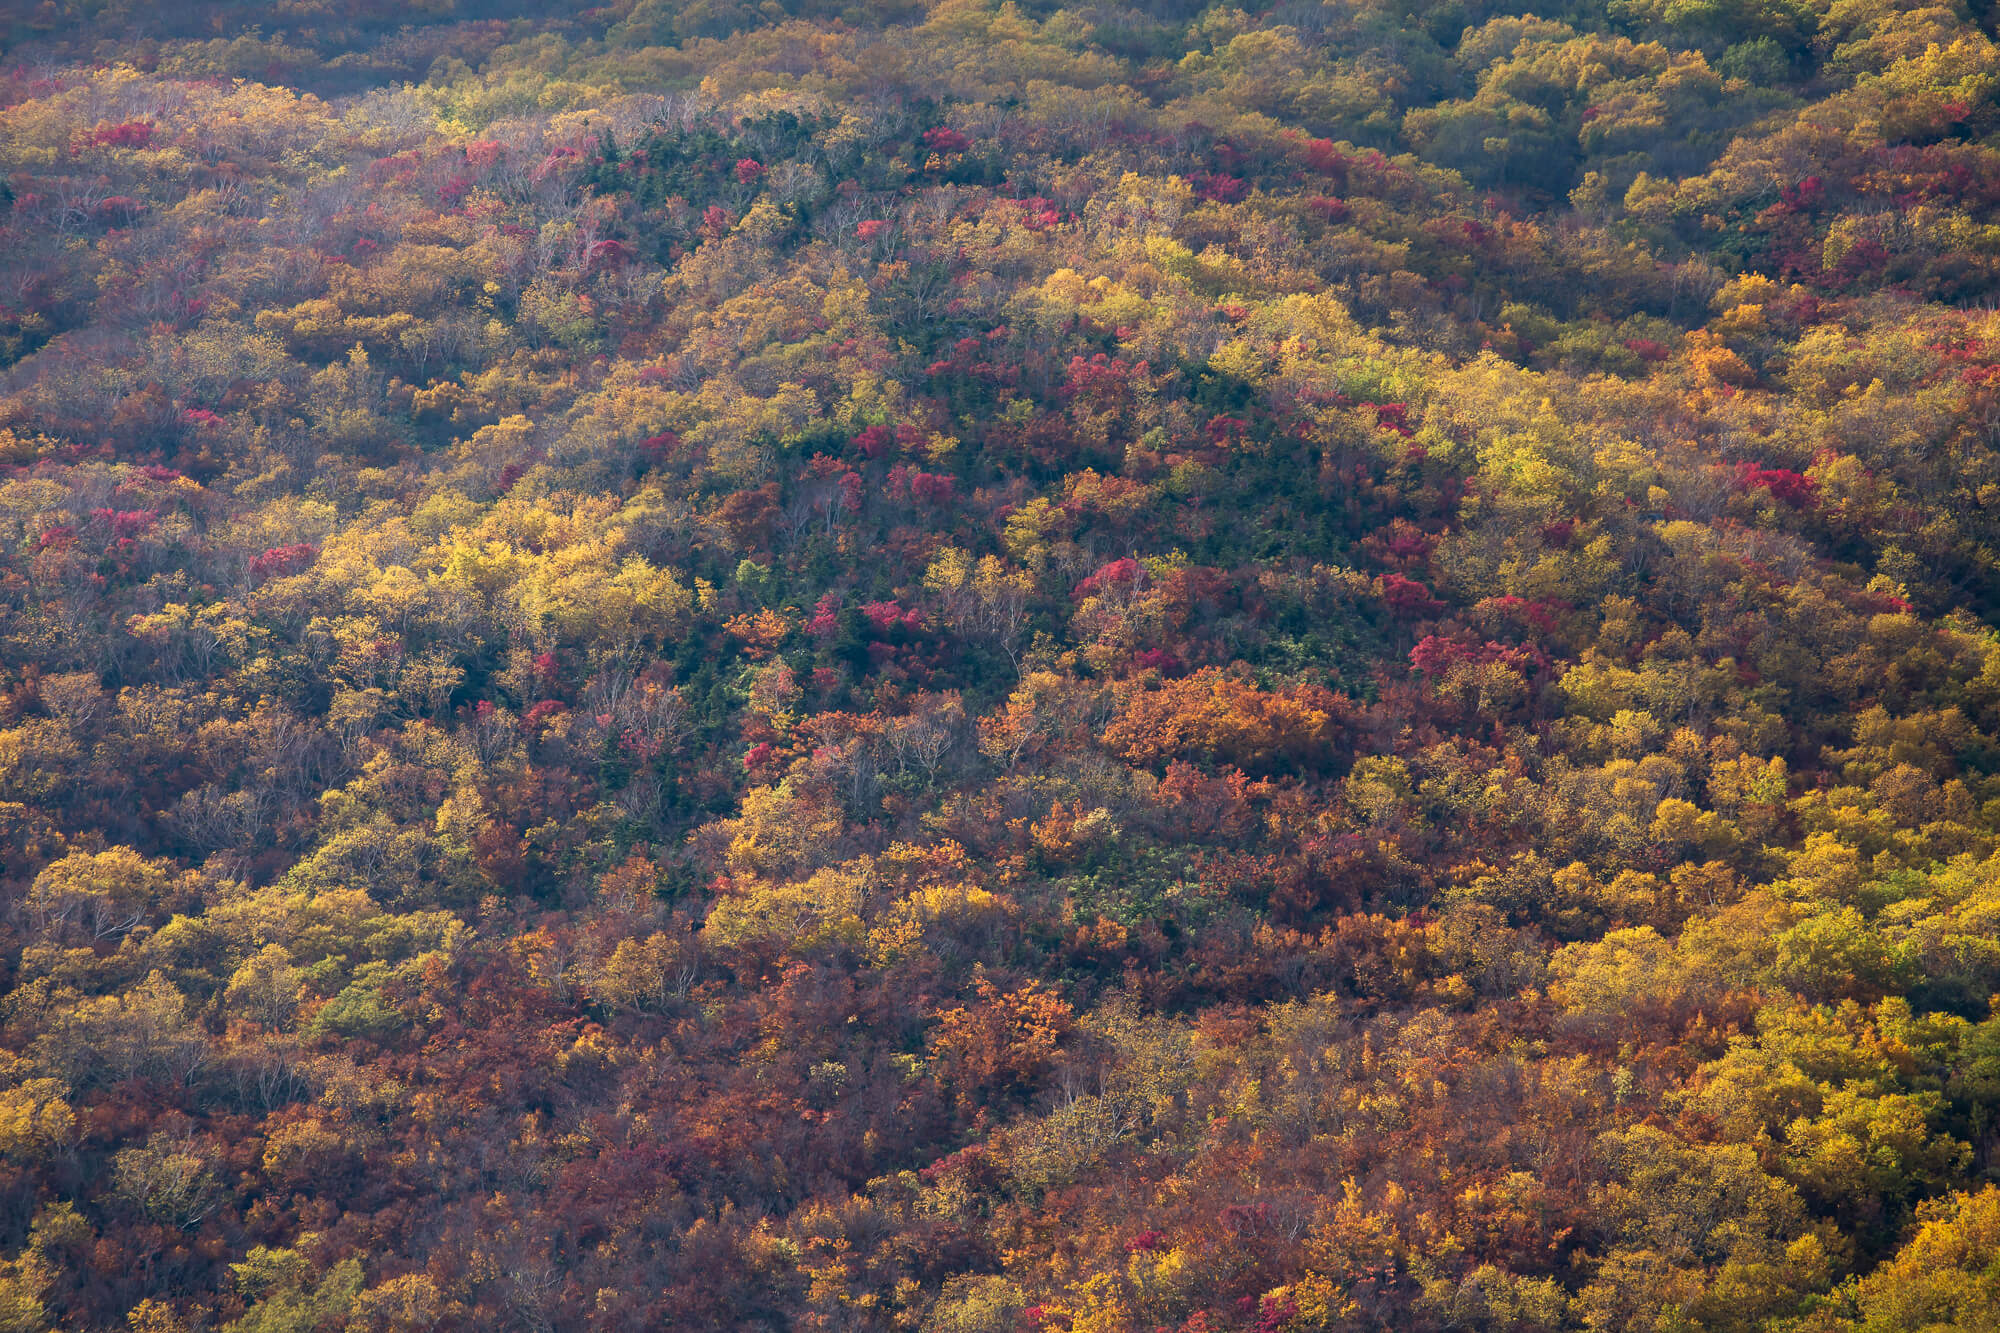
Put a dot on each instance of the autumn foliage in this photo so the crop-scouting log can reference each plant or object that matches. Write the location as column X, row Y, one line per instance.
column 988, row 667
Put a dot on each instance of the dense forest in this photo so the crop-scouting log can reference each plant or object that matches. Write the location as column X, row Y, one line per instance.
column 983, row 667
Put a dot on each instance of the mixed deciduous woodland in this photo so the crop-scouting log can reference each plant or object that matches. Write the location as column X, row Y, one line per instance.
column 976, row 667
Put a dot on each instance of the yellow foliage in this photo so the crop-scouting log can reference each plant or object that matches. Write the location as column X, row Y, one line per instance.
column 35, row 1119
column 819, row 912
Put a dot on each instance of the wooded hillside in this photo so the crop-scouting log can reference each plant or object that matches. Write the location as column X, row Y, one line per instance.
column 1322, row 666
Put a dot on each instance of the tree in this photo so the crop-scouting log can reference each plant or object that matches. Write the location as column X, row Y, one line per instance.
column 95, row 896
column 1943, row 1276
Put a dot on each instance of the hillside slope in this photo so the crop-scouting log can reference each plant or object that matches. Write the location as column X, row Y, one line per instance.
column 981, row 667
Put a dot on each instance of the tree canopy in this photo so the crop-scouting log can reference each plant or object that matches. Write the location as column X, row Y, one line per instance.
column 982, row 667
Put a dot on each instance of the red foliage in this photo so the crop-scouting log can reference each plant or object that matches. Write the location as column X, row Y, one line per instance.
column 885, row 616
column 126, row 523
column 611, row 254
column 1219, row 188
column 1536, row 615
column 908, row 483
column 1126, row 572
column 1325, row 158
column 1434, row 654
column 824, row 623
column 541, row 713
column 1103, row 383
column 1409, row 598
column 1392, row 416
column 1804, row 196
column 1402, row 545
column 282, row 561
column 1784, row 485
column 118, row 210
column 131, row 134
column 1038, row 214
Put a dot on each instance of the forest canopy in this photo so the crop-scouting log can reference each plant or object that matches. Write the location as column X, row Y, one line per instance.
column 988, row 667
